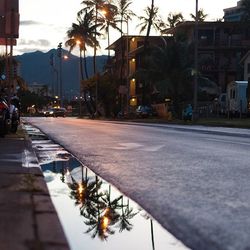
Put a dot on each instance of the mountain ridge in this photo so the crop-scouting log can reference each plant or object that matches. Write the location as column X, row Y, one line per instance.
column 36, row 67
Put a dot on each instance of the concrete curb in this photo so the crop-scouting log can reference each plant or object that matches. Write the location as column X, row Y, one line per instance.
column 28, row 219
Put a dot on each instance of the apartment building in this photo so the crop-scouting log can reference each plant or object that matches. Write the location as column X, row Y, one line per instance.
column 234, row 14
column 127, row 60
column 221, row 46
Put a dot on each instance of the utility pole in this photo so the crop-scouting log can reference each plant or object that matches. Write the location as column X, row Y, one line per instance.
column 59, row 54
column 195, row 112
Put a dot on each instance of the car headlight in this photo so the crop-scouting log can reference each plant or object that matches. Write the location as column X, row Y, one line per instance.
column 51, row 112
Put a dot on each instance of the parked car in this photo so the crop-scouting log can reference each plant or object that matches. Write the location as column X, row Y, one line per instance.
column 144, row 111
column 55, row 112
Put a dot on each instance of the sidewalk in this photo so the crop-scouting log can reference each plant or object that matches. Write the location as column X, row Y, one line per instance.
column 28, row 219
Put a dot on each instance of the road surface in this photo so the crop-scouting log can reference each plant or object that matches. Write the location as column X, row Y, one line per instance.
column 194, row 180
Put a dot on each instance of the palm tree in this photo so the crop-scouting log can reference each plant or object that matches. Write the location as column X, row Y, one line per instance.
column 124, row 12
column 95, row 6
column 111, row 207
column 201, row 16
column 150, row 18
column 152, row 14
column 246, row 9
column 110, row 19
column 174, row 19
column 126, row 216
column 170, row 68
column 83, row 34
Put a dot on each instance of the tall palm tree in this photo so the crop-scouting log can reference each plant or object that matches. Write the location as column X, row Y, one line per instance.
column 151, row 18
column 109, row 19
column 126, row 216
column 83, row 34
column 201, row 16
column 95, row 6
column 124, row 13
column 152, row 14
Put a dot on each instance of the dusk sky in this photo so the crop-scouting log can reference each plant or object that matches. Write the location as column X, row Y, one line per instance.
column 44, row 23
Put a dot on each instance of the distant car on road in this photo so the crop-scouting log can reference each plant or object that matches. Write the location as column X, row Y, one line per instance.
column 143, row 111
column 55, row 112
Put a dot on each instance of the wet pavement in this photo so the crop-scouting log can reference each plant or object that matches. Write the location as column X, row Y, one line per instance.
column 94, row 214
column 28, row 219
column 195, row 181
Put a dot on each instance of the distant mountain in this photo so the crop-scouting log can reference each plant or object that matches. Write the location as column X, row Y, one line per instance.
column 35, row 68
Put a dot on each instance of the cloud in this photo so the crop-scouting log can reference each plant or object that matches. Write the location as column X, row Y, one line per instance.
column 28, row 50
column 30, row 22
column 39, row 42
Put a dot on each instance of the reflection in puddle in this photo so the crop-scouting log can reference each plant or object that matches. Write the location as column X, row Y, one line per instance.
column 94, row 214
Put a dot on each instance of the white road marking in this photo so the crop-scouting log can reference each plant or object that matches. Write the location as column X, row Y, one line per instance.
column 132, row 145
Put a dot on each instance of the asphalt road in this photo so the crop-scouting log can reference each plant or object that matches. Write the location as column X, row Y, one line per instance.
column 194, row 180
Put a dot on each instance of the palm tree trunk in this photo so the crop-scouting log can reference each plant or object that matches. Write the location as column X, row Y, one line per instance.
column 146, row 45
column 94, row 58
column 85, row 64
column 121, row 26
column 149, row 22
column 88, row 105
column 80, row 90
column 108, row 43
column 81, row 65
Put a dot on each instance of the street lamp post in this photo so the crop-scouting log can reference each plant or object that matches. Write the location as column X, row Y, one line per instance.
column 195, row 113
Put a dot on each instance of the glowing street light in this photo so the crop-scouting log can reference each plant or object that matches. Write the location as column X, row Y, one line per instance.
column 78, row 42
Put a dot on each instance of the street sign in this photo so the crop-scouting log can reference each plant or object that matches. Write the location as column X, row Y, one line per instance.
column 9, row 18
column 8, row 6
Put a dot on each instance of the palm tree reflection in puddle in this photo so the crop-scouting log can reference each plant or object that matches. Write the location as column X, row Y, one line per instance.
column 101, row 214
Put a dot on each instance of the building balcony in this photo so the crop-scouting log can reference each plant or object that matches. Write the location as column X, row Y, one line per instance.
column 226, row 43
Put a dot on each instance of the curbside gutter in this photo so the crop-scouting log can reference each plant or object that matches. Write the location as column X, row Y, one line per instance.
column 28, row 219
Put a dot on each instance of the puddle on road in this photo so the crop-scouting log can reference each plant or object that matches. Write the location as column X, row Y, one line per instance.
column 94, row 214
